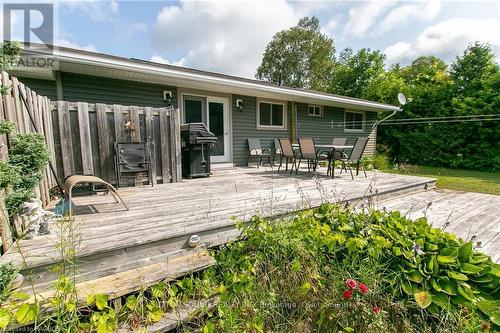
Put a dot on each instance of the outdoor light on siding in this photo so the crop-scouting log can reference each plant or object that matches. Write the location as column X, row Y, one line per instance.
column 239, row 104
column 167, row 96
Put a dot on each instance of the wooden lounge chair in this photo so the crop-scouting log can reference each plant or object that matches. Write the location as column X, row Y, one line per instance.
column 355, row 157
column 74, row 180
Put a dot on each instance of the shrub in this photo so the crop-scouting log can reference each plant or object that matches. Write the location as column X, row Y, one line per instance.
column 28, row 155
column 378, row 161
column 7, row 274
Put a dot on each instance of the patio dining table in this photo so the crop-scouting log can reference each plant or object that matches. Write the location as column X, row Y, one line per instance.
column 330, row 148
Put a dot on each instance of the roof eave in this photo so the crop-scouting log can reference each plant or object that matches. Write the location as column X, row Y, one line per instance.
column 90, row 58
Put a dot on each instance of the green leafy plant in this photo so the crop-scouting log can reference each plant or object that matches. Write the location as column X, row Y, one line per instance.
column 28, row 155
column 8, row 273
column 104, row 320
column 7, row 127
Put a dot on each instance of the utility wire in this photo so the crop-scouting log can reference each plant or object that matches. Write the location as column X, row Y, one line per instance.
column 430, row 122
column 451, row 119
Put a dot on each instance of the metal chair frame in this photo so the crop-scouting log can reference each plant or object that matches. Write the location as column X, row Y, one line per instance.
column 142, row 166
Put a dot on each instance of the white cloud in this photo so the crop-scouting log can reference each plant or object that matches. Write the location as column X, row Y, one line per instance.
column 96, row 10
column 447, row 40
column 330, row 27
column 67, row 43
column 364, row 16
column 227, row 37
column 159, row 59
column 402, row 15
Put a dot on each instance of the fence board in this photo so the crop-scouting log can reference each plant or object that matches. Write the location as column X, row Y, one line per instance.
column 164, row 147
column 175, row 138
column 47, row 119
column 135, row 134
column 118, row 115
column 8, row 102
column 4, row 154
column 103, row 136
column 19, row 115
column 150, row 140
column 85, row 143
column 65, row 135
column 5, row 231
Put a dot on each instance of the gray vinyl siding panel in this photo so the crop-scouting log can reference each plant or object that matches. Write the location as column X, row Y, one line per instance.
column 323, row 129
column 45, row 88
column 93, row 89
column 245, row 126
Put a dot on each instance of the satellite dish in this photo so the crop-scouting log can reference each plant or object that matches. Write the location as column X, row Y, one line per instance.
column 402, row 98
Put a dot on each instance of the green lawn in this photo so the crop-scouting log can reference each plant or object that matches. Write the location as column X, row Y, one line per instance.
column 460, row 180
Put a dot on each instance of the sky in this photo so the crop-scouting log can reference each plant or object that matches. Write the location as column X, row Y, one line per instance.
column 231, row 36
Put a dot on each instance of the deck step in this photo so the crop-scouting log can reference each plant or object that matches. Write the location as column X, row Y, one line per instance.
column 125, row 282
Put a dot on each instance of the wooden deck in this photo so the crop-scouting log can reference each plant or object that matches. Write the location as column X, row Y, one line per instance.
column 466, row 214
column 155, row 230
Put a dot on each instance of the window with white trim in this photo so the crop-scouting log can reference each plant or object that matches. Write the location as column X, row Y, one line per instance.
column 315, row 111
column 271, row 115
column 354, row 121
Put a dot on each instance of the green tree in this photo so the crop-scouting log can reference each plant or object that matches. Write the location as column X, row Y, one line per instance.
column 385, row 87
column 353, row 72
column 471, row 69
column 9, row 54
column 477, row 92
column 300, row 57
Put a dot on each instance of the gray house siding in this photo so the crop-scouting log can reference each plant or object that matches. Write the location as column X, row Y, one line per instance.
column 245, row 126
column 94, row 89
column 331, row 124
column 42, row 87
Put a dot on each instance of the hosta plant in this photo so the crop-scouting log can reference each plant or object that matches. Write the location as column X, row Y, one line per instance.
column 434, row 268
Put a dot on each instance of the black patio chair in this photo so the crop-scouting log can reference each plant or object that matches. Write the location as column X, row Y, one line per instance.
column 355, row 157
column 132, row 158
column 255, row 149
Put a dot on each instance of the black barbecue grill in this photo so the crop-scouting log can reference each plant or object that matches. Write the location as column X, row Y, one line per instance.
column 196, row 140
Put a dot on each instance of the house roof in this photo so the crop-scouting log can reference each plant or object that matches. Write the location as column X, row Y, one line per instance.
column 99, row 64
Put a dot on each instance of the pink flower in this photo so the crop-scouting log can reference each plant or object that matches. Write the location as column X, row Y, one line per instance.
column 376, row 310
column 351, row 284
column 347, row 294
column 363, row 288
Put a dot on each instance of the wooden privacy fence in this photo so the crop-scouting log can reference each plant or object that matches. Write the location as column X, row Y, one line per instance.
column 80, row 138
column 13, row 109
column 85, row 135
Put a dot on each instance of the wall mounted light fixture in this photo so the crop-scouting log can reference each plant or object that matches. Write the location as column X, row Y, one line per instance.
column 239, row 104
column 167, row 96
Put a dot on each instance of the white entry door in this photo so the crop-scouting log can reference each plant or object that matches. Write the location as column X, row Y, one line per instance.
column 218, row 124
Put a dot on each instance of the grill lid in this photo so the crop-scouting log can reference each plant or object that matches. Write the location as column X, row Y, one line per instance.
column 198, row 133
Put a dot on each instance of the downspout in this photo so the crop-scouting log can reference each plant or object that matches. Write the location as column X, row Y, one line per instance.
column 376, row 123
